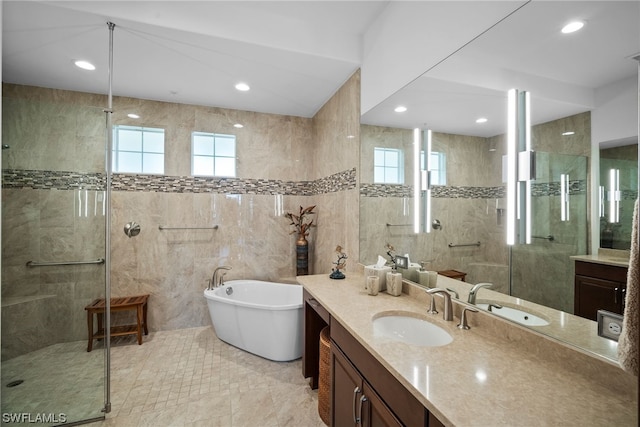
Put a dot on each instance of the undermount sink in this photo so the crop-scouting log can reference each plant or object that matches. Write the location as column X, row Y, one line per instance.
column 409, row 330
column 519, row 316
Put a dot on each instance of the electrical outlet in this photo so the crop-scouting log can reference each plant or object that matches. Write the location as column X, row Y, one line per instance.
column 609, row 324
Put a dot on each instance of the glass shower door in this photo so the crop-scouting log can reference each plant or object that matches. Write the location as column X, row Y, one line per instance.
column 541, row 272
column 53, row 250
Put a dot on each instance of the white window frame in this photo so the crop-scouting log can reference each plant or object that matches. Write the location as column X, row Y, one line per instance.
column 214, row 155
column 117, row 149
column 397, row 168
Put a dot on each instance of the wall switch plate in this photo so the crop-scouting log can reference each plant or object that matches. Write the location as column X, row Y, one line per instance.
column 402, row 262
column 609, row 324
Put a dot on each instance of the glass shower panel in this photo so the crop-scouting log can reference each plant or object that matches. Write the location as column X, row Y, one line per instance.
column 542, row 271
column 53, row 211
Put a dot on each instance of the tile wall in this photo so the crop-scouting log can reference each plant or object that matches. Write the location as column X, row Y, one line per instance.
column 53, row 203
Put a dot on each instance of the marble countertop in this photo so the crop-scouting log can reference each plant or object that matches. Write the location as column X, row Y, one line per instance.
column 614, row 257
column 494, row 374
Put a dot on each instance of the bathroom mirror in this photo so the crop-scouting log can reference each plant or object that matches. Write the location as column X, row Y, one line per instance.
column 617, row 192
column 575, row 80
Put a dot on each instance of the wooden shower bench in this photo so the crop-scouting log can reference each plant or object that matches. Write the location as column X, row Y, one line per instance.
column 136, row 303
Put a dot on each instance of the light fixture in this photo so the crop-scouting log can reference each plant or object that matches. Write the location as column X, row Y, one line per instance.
column 133, row 116
column 564, row 197
column 481, row 120
column 242, row 87
column 238, row 126
column 427, row 182
column 601, row 198
column 512, row 141
column 400, row 109
column 572, row 27
column 85, row 65
column 416, row 180
column 568, row 133
column 614, row 195
column 531, row 166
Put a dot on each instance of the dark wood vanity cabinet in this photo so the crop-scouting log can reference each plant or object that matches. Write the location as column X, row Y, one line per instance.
column 354, row 401
column 315, row 319
column 363, row 392
column 599, row 287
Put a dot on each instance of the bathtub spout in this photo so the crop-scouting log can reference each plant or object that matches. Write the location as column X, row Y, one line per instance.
column 217, row 281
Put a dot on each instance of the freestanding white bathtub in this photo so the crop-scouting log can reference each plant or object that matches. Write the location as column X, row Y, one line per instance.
column 263, row 318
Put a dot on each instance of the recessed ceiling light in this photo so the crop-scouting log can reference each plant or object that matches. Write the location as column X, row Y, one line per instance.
column 568, row 133
column 572, row 27
column 481, row 120
column 350, row 136
column 242, row 87
column 85, row 65
column 133, row 116
column 238, row 125
column 400, row 109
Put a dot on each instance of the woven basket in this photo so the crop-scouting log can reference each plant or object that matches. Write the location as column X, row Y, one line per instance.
column 324, row 380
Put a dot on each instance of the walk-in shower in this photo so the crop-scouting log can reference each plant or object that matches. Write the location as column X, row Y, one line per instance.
column 55, row 253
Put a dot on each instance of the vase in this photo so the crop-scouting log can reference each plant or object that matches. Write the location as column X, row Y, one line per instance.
column 302, row 256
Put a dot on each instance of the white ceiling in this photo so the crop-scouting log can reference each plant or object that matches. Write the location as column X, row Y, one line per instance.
column 526, row 51
column 296, row 54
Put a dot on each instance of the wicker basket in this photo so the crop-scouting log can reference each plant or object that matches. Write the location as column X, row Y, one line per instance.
column 324, row 380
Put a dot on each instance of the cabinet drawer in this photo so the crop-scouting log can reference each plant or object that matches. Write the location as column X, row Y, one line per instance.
column 602, row 271
column 311, row 302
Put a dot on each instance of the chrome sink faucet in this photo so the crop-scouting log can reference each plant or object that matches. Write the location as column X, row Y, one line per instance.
column 218, row 281
column 448, row 307
column 474, row 291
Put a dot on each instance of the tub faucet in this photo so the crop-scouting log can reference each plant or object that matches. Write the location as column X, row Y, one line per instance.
column 448, row 308
column 474, row 291
column 217, row 281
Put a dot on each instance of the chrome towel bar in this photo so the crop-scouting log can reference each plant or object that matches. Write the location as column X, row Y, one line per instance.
column 549, row 237
column 399, row 225
column 213, row 227
column 451, row 245
column 53, row 263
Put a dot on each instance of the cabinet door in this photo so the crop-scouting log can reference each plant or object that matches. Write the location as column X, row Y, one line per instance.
column 346, row 390
column 375, row 413
column 597, row 294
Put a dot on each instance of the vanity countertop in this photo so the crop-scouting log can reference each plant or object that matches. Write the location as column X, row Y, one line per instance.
column 614, row 257
column 484, row 377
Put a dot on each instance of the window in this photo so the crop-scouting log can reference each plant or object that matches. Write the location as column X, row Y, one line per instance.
column 138, row 149
column 388, row 166
column 213, row 154
column 438, row 164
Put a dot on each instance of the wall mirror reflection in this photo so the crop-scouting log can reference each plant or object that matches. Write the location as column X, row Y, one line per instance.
column 583, row 91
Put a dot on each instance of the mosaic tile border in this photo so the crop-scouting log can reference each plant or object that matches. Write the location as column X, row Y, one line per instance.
column 463, row 192
column 50, row 180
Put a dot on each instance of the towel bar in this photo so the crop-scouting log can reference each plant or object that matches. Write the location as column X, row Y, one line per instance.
column 213, row 227
column 451, row 245
column 52, row 263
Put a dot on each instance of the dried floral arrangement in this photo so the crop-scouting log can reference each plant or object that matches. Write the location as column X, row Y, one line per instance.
column 299, row 221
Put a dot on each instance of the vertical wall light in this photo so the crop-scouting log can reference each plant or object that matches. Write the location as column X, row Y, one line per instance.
column 530, row 163
column 512, row 118
column 564, row 197
column 614, row 195
column 601, row 199
column 416, row 180
column 426, row 181
column 520, row 167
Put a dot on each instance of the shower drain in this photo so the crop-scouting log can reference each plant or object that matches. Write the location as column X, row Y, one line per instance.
column 15, row 383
